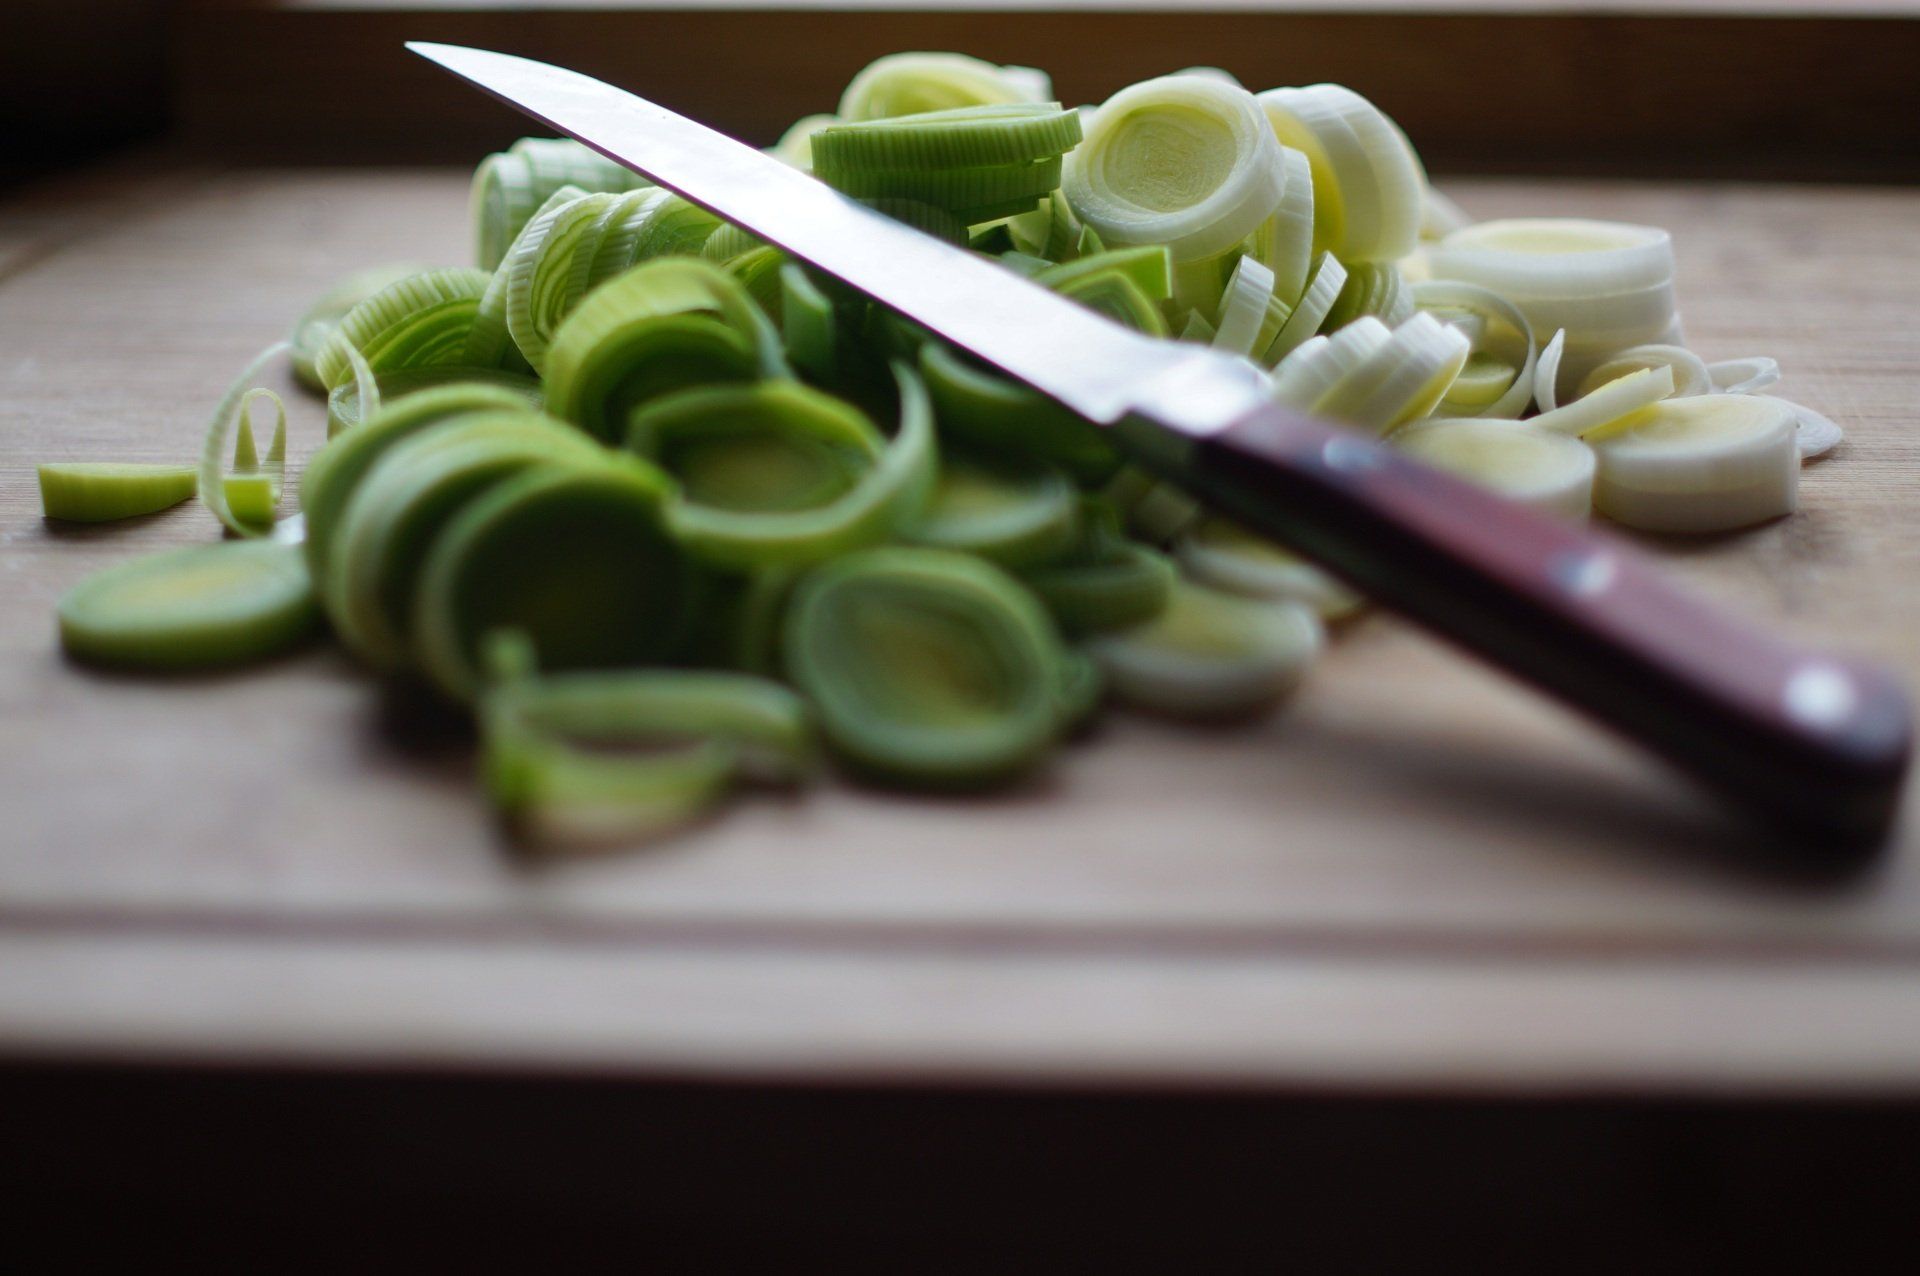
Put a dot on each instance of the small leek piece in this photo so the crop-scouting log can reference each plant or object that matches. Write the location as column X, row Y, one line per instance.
column 1011, row 511
column 915, row 83
column 313, row 330
column 1709, row 463
column 212, row 482
column 1182, row 161
column 1223, row 554
column 1210, row 654
column 1610, row 407
column 795, row 146
column 1368, row 187
column 665, row 325
column 509, row 187
column 779, row 474
column 103, row 491
column 1744, row 376
column 578, row 557
column 1372, row 288
column 1400, row 381
column 992, row 413
column 1324, row 282
column 1552, row 473
column 926, row 666
column 1688, row 370
column 579, row 758
column 252, row 488
column 204, row 607
column 1497, row 379
column 1104, row 581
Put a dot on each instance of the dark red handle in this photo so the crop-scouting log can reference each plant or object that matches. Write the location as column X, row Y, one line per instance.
column 1813, row 744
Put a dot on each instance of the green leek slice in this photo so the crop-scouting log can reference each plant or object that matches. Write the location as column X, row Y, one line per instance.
column 1104, row 581
column 314, row 329
column 949, row 188
column 995, row 414
column 576, row 556
column 509, row 187
column 795, row 146
column 780, row 474
column 1148, row 268
column 417, row 486
column 343, row 403
column 926, row 666
column 421, row 320
column 252, row 487
column 103, row 491
column 809, row 327
column 339, row 467
column 662, row 326
column 1012, row 511
column 1371, row 288
column 212, row 482
column 1209, row 654
column 203, row 607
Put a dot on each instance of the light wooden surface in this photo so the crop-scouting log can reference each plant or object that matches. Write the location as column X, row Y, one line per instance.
column 1415, row 877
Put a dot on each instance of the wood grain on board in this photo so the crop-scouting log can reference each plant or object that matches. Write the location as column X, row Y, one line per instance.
column 1414, row 875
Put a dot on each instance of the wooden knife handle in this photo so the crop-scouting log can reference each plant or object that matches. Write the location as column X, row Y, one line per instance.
column 1813, row 744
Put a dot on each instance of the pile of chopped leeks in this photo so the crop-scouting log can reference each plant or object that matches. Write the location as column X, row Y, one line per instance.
column 670, row 511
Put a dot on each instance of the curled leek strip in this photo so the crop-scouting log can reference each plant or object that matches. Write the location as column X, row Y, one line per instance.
column 1368, row 184
column 1502, row 384
column 1815, row 435
column 584, row 757
column 1690, row 373
column 1210, row 654
column 339, row 467
column 409, row 495
column 1608, row 407
column 988, row 411
column 509, row 187
column 1147, row 268
column 104, row 491
column 212, row 483
column 1708, row 463
column 1181, row 161
column 1010, row 511
column 252, row 486
column 421, row 320
column 199, row 608
column 1226, row 556
column 779, row 474
column 1104, row 581
column 344, row 410
column 926, row 666
column 1744, row 376
column 663, row 326
column 576, row 556
column 1552, row 473
column 548, row 271
column 314, row 329
column 917, row 83
column 1546, row 373
column 1324, row 283
column 795, row 147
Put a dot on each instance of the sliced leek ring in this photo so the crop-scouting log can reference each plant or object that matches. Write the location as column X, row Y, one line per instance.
column 926, row 666
column 104, row 491
column 1250, row 315
column 1182, row 161
column 1103, row 581
column 1690, row 372
column 1209, row 654
column 967, row 138
column 418, row 321
column 915, row 83
column 1369, row 189
column 204, row 607
column 1815, row 435
column 508, row 188
column 795, row 146
column 1307, row 376
column 1225, row 555
column 343, row 403
column 314, row 329
column 1556, row 257
column 578, row 557
column 1610, row 407
column 1707, row 463
column 1012, row 511
column 1399, row 381
column 1324, row 283
column 1502, row 384
column 990, row 412
column 1284, row 242
column 337, row 470
column 662, row 326
column 1744, row 376
column 1552, row 473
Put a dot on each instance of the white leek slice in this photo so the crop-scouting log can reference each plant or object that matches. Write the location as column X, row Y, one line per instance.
column 1284, row 242
column 1225, row 555
column 1181, row 160
column 1244, row 308
column 1814, row 434
column 1690, row 372
column 1313, row 371
column 1548, row 472
column 1556, row 256
column 1323, row 289
column 1402, row 380
column 1708, row 463
column 1495, row 311
column 1609, row 406
column 1440, row 217
column 1368, row 184
column 1210, row 654
column 1546, row 373
column 914, row 83
column 1744, row 376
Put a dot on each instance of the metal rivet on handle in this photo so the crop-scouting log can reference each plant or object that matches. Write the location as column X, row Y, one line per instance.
column 1352, row 456
column 1819, row 696
column 1583, row 573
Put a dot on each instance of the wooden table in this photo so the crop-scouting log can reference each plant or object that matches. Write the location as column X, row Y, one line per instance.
column 1414, row 880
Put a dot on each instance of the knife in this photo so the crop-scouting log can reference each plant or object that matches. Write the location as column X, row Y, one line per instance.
column 1814, row 745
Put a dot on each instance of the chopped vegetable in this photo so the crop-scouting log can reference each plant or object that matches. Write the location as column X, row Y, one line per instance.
column 204, row 607
column 102, row 491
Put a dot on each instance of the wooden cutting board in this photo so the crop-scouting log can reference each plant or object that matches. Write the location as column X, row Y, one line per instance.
column 1415, row 875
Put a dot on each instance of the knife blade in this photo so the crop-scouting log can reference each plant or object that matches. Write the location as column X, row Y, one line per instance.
column 1814, row 745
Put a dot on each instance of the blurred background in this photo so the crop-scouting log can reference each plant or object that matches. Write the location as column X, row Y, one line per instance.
column 1794, row 89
